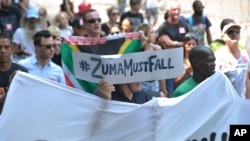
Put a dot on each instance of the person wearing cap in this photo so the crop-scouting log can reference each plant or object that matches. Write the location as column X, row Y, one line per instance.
column 78, row 27
column 233, row 61
column 218, row 43
column 9, row 17
column 82, row 8
column 23, row 36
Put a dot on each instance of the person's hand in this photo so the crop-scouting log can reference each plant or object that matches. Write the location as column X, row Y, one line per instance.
column 189, row 70
column 105, row 89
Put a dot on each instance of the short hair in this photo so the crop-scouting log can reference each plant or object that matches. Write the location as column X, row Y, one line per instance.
column 41, row 34
column 133, row 2
column 195, row 3
column 197, row 53
column 5, row 35
column 86, row 12
column 225, row 22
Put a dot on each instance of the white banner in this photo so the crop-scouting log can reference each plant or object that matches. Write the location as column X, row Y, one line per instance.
column 126, row 68
column 36, row 109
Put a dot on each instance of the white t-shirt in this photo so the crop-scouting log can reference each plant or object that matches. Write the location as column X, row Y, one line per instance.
column 235, row 69
column 26, row 43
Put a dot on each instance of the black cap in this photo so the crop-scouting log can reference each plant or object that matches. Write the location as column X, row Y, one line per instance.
column 77, row 22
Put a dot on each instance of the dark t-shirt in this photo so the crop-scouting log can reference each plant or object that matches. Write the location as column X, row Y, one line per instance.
column 175, row 32
column 4, row 75
column 10, row 20
column 138, row 97
column 136, row 19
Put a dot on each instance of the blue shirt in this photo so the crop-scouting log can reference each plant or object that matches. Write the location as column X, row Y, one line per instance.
column 50, row 70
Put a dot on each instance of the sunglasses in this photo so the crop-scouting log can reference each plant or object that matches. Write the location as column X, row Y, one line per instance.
column 48, row 46
column 232, row 31
column 115, row 14
column 94, row 20
column 190, row 36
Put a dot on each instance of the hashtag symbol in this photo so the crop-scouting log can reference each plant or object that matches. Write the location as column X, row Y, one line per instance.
column 84, row 66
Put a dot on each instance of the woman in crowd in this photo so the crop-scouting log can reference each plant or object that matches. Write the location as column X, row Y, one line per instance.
column 113, row 14
column 149, row 45
column 189, row 41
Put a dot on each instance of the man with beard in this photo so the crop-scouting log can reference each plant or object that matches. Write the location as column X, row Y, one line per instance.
column 40, row 63
column 9, row 17
column 23, row 36
column 7, row 67
column 199, row 23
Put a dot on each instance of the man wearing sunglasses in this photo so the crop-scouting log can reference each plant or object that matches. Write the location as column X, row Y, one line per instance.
column 92, row 23
column 40, row 63
column 232, row 60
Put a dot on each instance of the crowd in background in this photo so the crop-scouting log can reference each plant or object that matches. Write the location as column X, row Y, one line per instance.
column 37, row 39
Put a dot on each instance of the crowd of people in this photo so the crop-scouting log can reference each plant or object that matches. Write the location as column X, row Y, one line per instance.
column 30, row 42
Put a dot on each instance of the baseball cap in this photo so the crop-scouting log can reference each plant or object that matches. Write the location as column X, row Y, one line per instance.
column 228, row 26
column 32, row 13
column 77, row 22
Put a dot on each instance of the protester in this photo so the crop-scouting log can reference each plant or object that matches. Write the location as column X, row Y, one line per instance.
column 219, row 43
column 7, row 67
column 45, row 22
column 115, row 30
column 199, row 23
column 40, row 63
column 62, row 22
column 68, row 7
column 202, row 60
column 126, row 25
column 23, row 36
column 168, row 37
column 113, row 14
column 232, row 60
column 171, row 34
column 92, row 23
column 55, row 32
column 9, row 17
column 149, row 45
column 190, row 41
column 82, row 8
column 129, row 92
column 78, row 27
column 133, row 14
